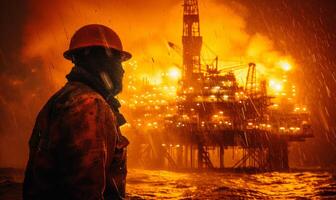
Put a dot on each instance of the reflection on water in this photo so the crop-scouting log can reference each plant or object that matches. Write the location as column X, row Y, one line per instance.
column 157, row 184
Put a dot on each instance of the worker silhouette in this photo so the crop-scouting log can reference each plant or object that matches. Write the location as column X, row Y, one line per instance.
column 76, row 148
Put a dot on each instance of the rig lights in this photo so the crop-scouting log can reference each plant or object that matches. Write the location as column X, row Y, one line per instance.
column 171, row 145
column 290, row 129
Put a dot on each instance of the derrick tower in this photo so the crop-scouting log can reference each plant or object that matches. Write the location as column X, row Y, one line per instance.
column 192, row 42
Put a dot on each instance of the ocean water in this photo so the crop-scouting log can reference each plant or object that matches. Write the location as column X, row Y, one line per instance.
column 148, row 184
column 160, row 184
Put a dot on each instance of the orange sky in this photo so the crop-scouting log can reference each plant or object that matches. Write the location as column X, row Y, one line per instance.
column 145, row 27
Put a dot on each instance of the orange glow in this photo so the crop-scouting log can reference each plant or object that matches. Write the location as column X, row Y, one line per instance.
column 275, row 85
column 174, row 73
column 285, row 65
column 47, row 37
column 151, row 76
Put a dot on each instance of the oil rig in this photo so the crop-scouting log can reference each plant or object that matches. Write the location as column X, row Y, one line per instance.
column 212, row 115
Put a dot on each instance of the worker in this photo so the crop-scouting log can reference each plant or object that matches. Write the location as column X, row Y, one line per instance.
column 76, row 149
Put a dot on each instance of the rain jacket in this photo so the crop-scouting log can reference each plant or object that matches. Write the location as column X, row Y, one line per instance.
column 76, row 148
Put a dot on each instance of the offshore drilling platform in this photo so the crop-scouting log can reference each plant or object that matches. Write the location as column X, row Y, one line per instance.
column 212, row 115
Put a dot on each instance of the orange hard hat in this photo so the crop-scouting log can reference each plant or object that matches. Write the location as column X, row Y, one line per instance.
column 95, row 35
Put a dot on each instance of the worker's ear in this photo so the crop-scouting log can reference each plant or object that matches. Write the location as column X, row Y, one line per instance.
column 107, row 81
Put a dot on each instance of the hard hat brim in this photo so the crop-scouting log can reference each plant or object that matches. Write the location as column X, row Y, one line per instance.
column 124, row 54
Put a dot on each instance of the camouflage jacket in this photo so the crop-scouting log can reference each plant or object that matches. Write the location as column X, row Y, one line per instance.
column 76, row 148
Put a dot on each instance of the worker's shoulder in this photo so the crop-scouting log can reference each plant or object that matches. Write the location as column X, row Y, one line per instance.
column 75, row 94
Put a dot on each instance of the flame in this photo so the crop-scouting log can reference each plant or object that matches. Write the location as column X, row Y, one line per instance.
column 144, row 27
column 160, row 22
column 224, row 32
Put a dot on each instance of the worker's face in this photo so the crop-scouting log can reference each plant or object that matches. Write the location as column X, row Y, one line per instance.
column 106, row 64
column 116, row 73
column 113, row 67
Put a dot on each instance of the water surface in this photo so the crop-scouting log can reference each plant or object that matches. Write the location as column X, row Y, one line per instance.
column 156, row 184
column 160, row 184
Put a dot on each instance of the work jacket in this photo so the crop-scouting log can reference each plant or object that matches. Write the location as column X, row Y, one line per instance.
column 76, row 149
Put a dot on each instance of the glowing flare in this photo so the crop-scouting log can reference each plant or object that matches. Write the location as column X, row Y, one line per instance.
column 276, row 86
column 285, row 65
column 174, row 73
